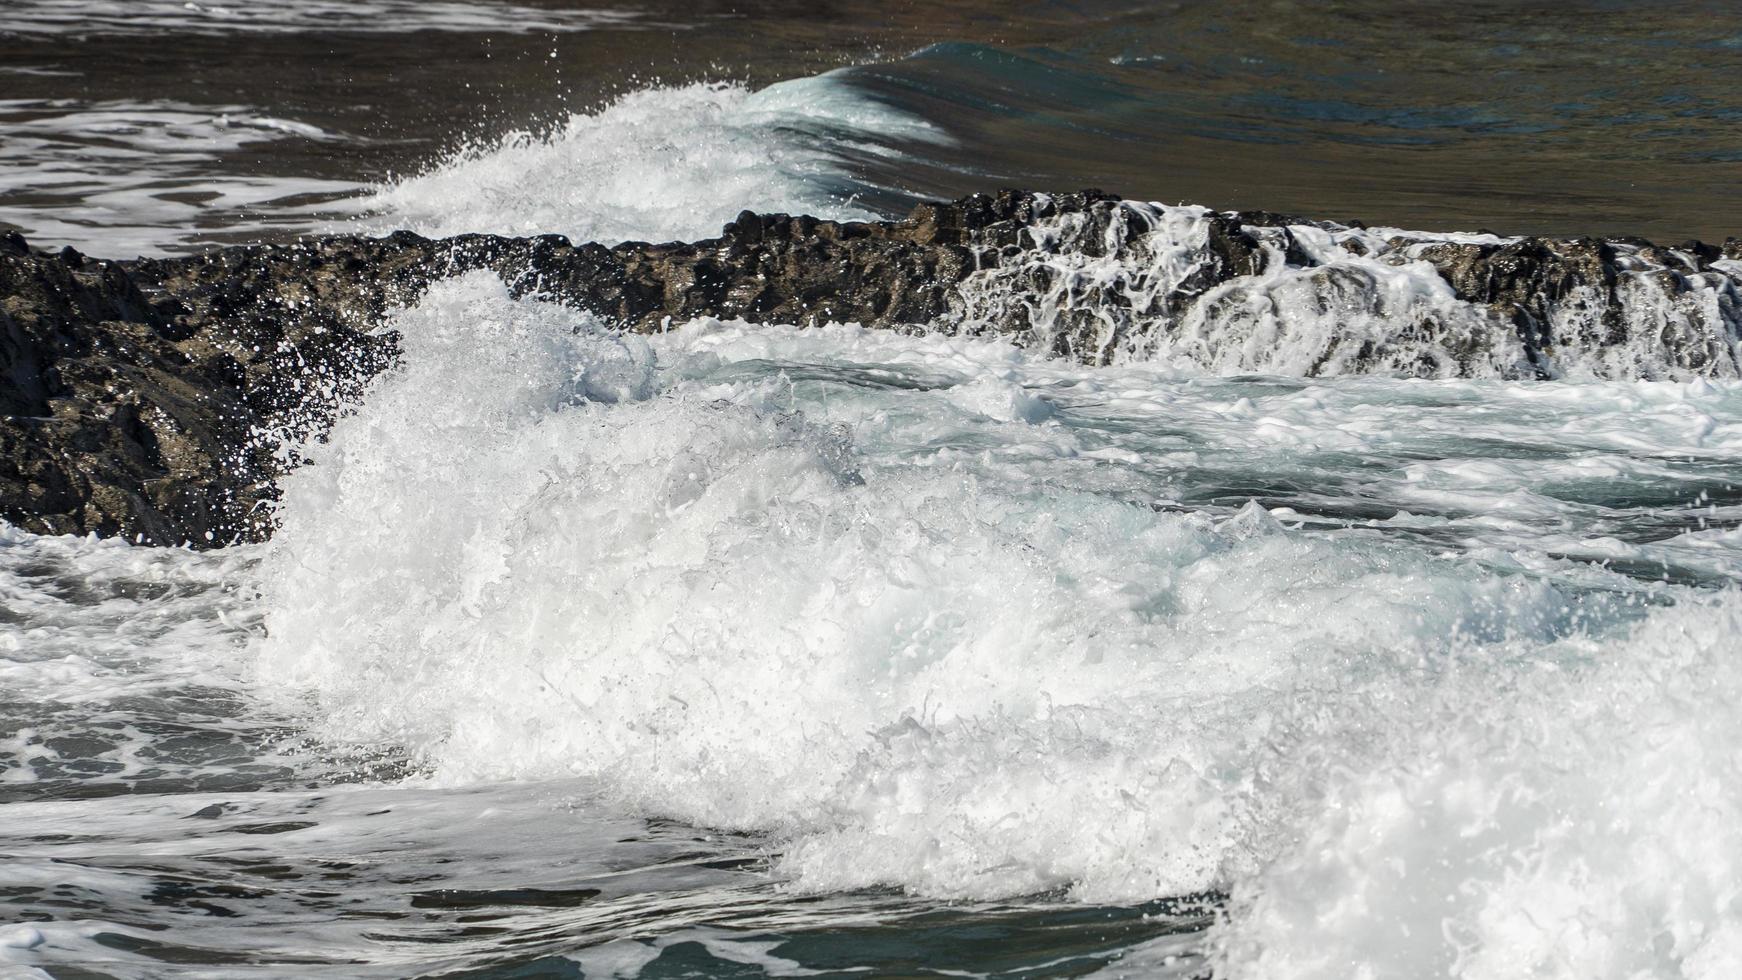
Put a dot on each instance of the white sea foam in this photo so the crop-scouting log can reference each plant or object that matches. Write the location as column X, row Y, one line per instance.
column 930, row 612
column 1567, row 817
column 1353, row 301
column 84, row 17
column 660, row 164
column 105, row 649
column 862, row 590
column 124, row 178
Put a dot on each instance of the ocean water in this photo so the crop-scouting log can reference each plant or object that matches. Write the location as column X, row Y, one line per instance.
column 746, row 650
column 155, row 125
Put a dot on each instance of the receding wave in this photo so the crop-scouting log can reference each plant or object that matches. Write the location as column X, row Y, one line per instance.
column 1227, row 293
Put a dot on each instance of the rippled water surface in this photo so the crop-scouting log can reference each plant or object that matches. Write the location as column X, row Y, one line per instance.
column 136, row 127
column 757, row 651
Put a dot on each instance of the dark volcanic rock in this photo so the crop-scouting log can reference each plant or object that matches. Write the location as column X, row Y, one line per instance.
column 1527, row 279
column 131, row 413
column 148, row 399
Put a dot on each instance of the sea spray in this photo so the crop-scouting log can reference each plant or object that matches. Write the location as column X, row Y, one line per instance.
column 915, row 611
column 662, row 164
column 1565, row 812
column 540, row 550
column 1294, row 595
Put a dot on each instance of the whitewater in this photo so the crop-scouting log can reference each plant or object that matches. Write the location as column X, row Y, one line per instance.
column 771, row 651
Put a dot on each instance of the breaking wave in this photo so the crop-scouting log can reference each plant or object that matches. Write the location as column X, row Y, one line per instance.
column 921, row 609
column 662, row 164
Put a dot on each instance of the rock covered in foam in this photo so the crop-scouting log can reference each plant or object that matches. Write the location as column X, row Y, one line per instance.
column 1255, row 292
column 150, row 399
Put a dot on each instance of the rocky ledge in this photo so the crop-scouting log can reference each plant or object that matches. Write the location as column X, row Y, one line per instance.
column 149, row 399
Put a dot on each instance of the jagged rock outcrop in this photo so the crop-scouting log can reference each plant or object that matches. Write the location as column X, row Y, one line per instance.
column 124, row 418
column 148, row 399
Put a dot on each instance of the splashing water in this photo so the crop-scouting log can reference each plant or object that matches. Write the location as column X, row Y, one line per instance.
column 775, row 650
column 662, row 164
column 939, row 615
column 1141, row 284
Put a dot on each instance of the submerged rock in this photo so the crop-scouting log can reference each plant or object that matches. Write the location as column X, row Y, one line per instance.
column 149, row 399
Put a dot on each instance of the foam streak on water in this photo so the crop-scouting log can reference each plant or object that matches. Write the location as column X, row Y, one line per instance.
column 85, row 17
column 124, row 178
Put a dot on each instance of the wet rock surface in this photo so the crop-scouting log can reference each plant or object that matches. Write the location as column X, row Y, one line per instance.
column 149, row 399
